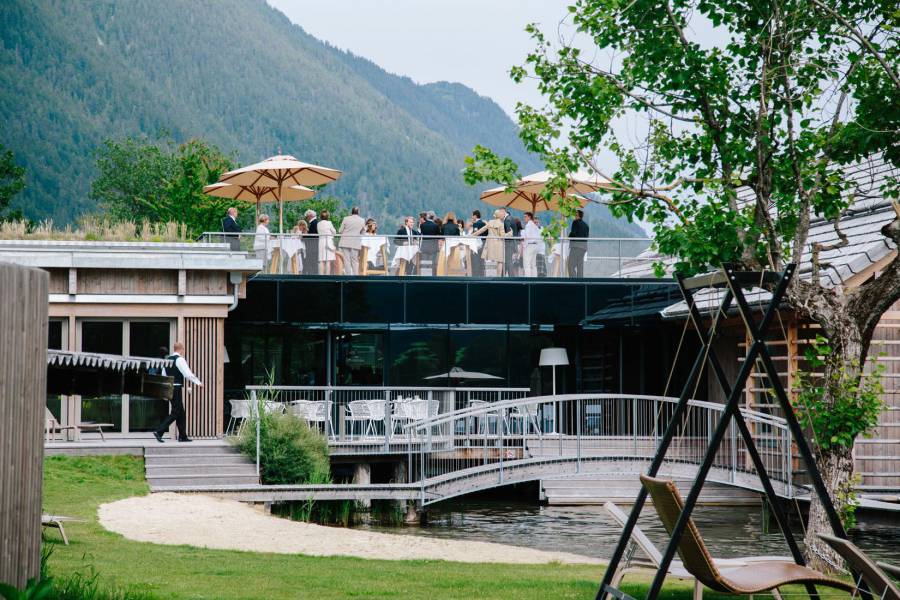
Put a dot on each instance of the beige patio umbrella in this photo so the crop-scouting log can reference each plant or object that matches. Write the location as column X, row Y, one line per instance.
column 280, row 172
column 258, row 193
column 526, row 193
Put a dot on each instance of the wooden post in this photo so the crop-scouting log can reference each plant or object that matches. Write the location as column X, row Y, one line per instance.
column 23, row 394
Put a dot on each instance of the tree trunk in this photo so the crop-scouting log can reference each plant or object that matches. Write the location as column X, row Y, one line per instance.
column 835, row 462
column 836, row 466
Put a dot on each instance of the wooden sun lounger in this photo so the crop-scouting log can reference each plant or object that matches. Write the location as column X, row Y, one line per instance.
column 754, row 578
column 676, row 569
column 873, row 574
column 56, row 522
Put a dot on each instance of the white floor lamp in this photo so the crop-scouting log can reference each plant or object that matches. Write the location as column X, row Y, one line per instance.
column 553, row 357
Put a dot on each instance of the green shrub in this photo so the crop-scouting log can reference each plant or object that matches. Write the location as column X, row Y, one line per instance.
column 290, row 451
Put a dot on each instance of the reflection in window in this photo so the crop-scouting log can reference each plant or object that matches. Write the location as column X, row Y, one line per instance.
column 482, row 353
column 417, row 354
column 104, row 337
column 359, row 358
column 55, row 335
column 148, row 338
column 524, row 355
column 297, row 356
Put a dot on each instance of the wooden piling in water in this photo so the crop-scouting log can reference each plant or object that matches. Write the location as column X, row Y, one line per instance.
column 23, row 385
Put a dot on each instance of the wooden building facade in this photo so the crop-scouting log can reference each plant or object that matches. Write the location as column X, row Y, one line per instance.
column 134, row 299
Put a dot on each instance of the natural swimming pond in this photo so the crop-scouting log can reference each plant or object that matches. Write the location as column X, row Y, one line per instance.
column 730, row 531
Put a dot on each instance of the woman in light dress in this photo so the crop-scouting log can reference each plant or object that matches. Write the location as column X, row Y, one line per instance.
column 298, row 232
column 493, row 243
column 327, row 251
column 262, row 242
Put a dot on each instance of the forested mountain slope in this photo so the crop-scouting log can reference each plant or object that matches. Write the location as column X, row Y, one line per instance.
column 240, row 75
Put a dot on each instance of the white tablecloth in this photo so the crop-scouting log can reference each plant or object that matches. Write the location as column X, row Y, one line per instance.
column 407, row 253
column 451, row 242
column 373, row 243
column 290, row 246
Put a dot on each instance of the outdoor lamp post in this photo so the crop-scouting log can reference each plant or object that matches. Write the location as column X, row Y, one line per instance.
column 551, row 357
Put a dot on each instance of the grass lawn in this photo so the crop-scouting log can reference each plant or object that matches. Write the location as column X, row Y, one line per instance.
column 75, row 486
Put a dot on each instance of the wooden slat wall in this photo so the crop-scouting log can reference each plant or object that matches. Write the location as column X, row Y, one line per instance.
column 127, row 281
column 203, row 339
column 23, row 396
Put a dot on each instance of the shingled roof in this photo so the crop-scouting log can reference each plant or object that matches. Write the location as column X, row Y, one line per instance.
column 861, row 223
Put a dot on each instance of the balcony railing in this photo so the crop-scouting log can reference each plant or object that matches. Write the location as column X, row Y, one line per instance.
column 453, row 256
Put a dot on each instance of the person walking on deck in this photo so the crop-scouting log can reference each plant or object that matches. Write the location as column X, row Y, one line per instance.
column 180, row 373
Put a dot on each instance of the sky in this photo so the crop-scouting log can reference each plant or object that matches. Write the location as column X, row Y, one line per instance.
column 473, row 42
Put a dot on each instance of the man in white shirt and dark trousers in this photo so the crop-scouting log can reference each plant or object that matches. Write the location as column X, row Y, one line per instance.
column 180, row 373
column 532, row 240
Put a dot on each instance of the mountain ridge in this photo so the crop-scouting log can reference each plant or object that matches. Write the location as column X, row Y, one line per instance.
column 241, row 75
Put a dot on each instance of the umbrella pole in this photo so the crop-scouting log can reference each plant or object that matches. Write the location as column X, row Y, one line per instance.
column 280, row 211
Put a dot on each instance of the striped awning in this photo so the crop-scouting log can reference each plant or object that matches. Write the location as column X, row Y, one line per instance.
column 111, row 362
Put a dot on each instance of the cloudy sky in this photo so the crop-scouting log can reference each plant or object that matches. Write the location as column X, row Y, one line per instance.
column 474, row 42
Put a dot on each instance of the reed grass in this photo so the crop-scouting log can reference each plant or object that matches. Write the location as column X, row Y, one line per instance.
column 95, row 229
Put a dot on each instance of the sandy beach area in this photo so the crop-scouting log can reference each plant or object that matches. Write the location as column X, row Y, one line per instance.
column 211, row 522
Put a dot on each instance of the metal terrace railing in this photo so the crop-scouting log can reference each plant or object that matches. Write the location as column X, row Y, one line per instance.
column 455, row 256
column 489, row 445
column 370, row 420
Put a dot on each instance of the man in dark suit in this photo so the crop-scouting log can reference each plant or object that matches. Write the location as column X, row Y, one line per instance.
column 311, row 241
column 510, row 242
column 477, row 261
column 430, row 232
column 407, row 236
column 231, row 229
column 578, row 235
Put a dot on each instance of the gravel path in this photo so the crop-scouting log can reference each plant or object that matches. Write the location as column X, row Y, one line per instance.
column 210, row 522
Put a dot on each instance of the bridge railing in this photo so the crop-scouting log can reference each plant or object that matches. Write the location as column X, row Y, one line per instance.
column 377, row 425
column 491, row 444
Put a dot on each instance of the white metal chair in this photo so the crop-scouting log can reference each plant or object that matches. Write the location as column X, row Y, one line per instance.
column 358, row 412
column 377, row 410
column 402, row 414
column 240, row 411
column 301, row 409
column 274, row 408
column 481, row 425
column 526, row 415
column 321, row 413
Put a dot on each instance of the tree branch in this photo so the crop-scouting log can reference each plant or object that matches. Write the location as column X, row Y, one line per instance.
column 862, row 39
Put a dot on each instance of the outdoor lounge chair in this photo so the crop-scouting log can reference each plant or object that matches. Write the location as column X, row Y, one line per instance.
column 640, row 540
column 753, row 578
column 52, row 425
column 873, row 574
column 56, row 522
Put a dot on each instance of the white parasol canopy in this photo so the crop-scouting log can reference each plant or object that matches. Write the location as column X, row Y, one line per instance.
column 258, row 193
column 527, row 193
column 457, row 373
column 280, row 172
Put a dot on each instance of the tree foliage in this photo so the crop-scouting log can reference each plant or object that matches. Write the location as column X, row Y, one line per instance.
column 730, row 124
column 12, row 181
column 158, row 181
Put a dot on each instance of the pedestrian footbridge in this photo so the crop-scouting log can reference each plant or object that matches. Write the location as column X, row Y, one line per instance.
column 610, row 436
column 601, row 436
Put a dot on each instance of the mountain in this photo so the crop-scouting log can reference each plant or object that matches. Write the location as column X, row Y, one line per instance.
column 239, row 74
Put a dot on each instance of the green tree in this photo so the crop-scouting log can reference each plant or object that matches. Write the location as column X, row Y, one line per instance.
column 160, row 181
column 12, row 181
column 794, row 92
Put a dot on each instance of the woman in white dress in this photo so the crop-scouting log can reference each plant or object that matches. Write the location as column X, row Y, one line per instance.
column 327, row 253
column 261, row 242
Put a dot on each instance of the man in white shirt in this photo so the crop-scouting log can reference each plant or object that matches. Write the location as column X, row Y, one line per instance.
column 352, row 228
column 532, row 236
column 181, row 373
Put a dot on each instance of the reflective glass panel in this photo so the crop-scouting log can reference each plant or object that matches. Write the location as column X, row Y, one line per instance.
column 417, row 355
column 359, row 358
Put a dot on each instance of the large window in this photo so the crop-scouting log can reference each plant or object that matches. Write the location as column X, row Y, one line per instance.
column 481, row 353
column 289, row 355
column 134, row 337
column 417, row 354
column 57, row 339
column 359, row 358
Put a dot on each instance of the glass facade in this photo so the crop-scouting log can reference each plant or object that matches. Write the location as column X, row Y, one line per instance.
column 147, row 338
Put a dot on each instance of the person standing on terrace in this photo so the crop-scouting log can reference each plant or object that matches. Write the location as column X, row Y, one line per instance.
column 578, row 235
column 180, row 373
column 477, row 261
column 231, row 229
column 352, row 228
column 311, row 260
column 327, row 254
column 261, row 241
column 429, row 250
column 531, row 236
